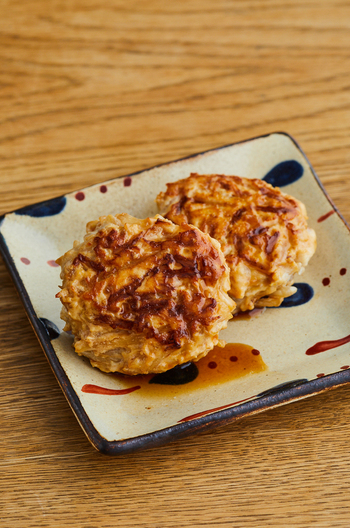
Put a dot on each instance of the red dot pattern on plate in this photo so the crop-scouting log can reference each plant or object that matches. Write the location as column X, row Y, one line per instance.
column 233, row 358
column 53, row 263
column 203, row 413
column 127, row 181
column 25, row 261
column 345, row 367
column 255, row 352
column 326, row 281
column 320, row 375
column 342, row 271
column 322, row 346
column 96, row 389
column 103, row 189
column 325, row 216
column 212, row 365
column 80, row 196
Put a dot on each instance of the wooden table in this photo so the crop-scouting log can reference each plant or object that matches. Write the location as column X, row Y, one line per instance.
column 92, row 90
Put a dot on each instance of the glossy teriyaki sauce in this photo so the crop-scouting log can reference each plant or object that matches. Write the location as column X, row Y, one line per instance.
column 233, row 361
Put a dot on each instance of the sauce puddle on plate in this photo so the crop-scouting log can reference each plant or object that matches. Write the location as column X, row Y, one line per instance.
column 233, row 361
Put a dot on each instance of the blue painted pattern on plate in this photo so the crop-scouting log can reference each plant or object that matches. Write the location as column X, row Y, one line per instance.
column 284, row 173
column 303, row 295
column 48, row 208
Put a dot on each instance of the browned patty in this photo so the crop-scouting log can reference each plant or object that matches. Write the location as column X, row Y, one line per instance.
column 142, row 296
column 263, row 232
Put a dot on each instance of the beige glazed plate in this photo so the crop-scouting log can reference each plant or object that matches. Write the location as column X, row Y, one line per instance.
column 279, row 356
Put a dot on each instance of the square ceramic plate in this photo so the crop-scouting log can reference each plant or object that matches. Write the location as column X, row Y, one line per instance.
column 304, row 345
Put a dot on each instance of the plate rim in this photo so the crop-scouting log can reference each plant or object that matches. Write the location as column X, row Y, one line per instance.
column 269, row 399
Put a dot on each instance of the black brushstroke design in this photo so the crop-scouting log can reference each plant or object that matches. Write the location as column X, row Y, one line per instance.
column 283, row 386
column 49, row 208
column 303, row 295
column 179, row 375
column 284, row 173
column 50, row 327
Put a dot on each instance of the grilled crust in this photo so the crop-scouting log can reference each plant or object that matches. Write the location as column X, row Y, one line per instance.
column 263, row 232
column 143, row 296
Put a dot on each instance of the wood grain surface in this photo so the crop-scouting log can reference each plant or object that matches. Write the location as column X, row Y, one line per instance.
column 90, row 90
